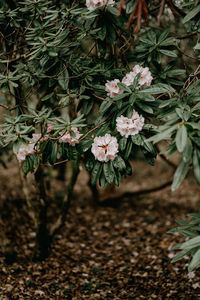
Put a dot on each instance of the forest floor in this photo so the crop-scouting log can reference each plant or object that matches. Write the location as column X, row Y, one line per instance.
column 116, row 252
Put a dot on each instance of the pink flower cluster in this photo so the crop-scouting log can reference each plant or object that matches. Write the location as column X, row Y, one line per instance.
column 145, row 76
column 112, row 88
column 50, row 127
column 67, row 138
column 132, row 126
column 28, row 149
column 92, row 4
column 105, row 148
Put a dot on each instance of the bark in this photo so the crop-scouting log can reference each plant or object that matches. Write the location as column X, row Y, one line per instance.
column 42, row 233
column 67, row 200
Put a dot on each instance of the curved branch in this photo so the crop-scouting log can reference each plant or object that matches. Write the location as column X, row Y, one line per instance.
column 108, row 201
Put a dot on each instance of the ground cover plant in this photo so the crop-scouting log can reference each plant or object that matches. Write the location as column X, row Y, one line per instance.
column 94, row 83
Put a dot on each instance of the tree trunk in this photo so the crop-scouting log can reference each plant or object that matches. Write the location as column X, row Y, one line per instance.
column 42, row 234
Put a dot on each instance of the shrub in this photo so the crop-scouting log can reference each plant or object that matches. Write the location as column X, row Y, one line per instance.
column 94, row 82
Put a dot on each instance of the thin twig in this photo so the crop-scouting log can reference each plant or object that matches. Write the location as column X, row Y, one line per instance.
column 90, row 131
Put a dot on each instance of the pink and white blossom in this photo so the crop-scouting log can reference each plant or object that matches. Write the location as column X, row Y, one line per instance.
column 105, row 148
column 92, row 4
column 25, row 151
column 129, row 78
column 22, row 153
column 145, row 76
column 132, row 126
column 67, row 138
column 36, row 137
column 112, row 88
column 49, row 127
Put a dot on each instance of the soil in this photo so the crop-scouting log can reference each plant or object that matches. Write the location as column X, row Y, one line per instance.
column 113, row 252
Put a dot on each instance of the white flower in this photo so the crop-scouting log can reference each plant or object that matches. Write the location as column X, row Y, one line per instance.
column 24, row 151
column 21, row 155
column 145, row 76
column 67, row 138
column 105, row 148
column 36, row 137
column 92, row 4
column 49, row 127
column 112, row 88
column 132, row 126
column 128, row 78
column 30, row 148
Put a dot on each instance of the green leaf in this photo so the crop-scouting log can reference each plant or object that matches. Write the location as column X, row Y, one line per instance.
column 109, row 172
column 196, row 164
column 104, row 106
column 47, row 97
column 180, row 255
column 26, row 166
column 124, row 87
column 96, row 172
column 164, row 135
column 168, row 53
column 102, row 33
column 163, row 36
column 122, row 143
column 168, row 42
column 187, row 153
column 119, row 163
column 158, row 89
column 195, row 261
column 145, row 107
column 176, row 72
column 192, row 243
column 138, row 139
column 121, row 96
column 191, row 14
column 179, row 175
column 128, row 150
column 63, row 79
column 181, row 138
column 53, row 155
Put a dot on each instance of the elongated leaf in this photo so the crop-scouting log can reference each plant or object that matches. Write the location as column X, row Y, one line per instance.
column 96, row 172
column 168, row 53
column 119, row 163
column 122, row 143
column 104, row 106
column 164, row 135
column 145, row 107
column 192, row 243
column 181, row 138
column 163, row 36
column 191, row 14
column 179, row 175
column 180, row 255
column 196, row 165
column 195, row 261
column 124, row 87
column 128, row 150
column 187, row 153
column 109, row 172
column 63, row 79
